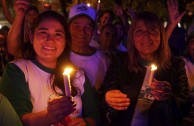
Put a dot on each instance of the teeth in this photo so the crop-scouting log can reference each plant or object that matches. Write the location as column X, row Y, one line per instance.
column 147, row 43
column 49, row 48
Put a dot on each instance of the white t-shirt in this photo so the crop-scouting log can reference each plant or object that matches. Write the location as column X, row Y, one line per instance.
column 39, row 85
column 95, row 66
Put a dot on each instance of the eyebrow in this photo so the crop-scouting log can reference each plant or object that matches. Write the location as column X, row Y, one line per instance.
column 43, row 28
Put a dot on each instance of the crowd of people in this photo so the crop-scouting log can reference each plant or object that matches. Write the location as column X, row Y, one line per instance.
column 112, row 82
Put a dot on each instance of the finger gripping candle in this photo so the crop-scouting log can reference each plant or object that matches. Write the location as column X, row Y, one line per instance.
column 67, row 83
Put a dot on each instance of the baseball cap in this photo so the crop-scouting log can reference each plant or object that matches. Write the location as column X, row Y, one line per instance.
column 82, row 9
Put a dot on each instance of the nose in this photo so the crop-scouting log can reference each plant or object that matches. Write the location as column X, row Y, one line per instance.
column 82, row 31
column 146, row 33
column 50, row 38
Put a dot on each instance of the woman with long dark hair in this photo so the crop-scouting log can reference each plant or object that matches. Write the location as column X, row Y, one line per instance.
column 35, row 85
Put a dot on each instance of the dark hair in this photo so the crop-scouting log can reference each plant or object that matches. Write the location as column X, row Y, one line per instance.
column 162, row 55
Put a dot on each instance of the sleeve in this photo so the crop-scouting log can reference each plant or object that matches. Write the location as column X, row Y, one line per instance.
column 90, row 103
column 182, row 89
column 178, row 105
column 15, row 88
column 8, row 112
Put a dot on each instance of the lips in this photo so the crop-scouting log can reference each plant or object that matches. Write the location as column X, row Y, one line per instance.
column 49, row 48
column 147, row 43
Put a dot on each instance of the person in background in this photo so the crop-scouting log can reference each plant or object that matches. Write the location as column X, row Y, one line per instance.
column 189, row 66
column 121, row 43
column 38, row 93
column 91, row 60
column 108, row 38
column 5, row 57
column 8, row 116
column 105, row 17
column 82, row 55
column 130, row 97
column 19, row 32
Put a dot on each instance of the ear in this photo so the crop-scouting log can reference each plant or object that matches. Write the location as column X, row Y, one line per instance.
column 31, row 35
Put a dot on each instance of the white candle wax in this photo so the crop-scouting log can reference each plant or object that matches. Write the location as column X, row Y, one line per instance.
column 153, row 69
column 98, row 6
column 67, row 83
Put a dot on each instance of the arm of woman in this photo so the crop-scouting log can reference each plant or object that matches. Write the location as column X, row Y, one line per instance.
column 14, row 39
column 182, row 92
column 174, row 17
column 14, row 87
column 6, row 12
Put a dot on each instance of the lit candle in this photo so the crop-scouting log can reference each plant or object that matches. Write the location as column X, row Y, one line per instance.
column 153, row 69
column 98, row 6
column 88, row 4
column 67, row 83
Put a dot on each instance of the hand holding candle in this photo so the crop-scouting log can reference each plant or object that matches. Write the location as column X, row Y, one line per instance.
column 153, row 69
column 67, row 83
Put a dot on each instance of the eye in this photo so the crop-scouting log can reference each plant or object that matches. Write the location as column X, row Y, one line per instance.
column 59, row 35
column 138, row 31
column 88, row 28
column 153, row 32
column 43, row 32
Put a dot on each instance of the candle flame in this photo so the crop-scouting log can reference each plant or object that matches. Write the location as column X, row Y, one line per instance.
column 98, row 1
column 67, row 71
column 153, row 67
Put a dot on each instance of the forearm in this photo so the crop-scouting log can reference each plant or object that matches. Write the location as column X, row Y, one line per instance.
column 6, row 11
column 37, row 119
column 14, row 37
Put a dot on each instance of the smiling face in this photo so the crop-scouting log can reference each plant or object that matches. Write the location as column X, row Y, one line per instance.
column 146, row 40
column 108, row 37
column 81, row 30
column 48, row 41
column 105, row 19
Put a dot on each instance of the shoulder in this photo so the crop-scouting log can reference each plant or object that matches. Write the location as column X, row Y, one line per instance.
column 21, row 63
column 26, row 66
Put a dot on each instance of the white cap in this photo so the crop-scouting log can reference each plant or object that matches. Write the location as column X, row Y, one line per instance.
column 82, row 9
